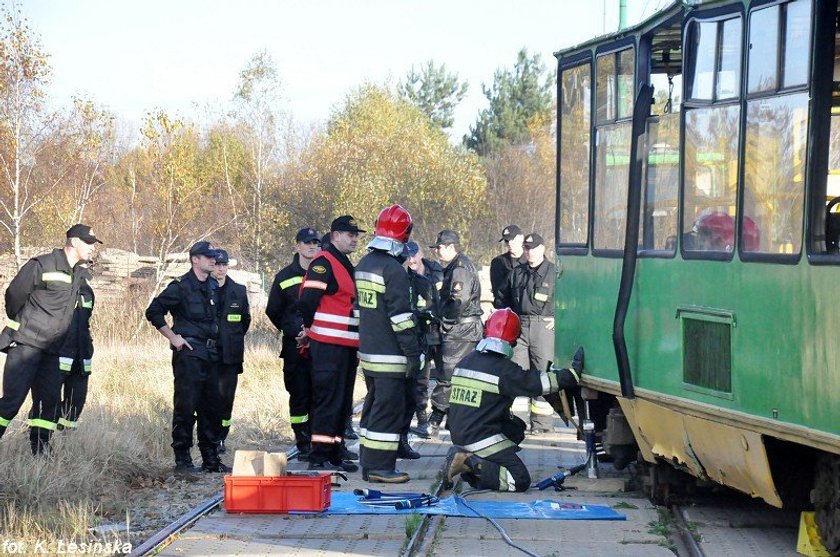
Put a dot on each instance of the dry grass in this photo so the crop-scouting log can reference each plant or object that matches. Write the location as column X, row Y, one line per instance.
column 123, row 438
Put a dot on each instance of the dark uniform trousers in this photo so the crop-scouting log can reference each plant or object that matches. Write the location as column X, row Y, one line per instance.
column 504, row 470
column 196, row 393
column 297, row 378
column 385, row 417
column 534, row 349
column 333, row 377
column 228, row 375
column 459, row 341
column 420, row 403
column 74, row 389
column 28, row 367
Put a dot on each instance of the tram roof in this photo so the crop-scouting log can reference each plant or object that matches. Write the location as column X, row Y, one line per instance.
column 663, row 15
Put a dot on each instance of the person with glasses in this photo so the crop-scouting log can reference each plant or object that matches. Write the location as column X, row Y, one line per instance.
column 502, row 265
column 282, row 311
column 234, row 314
column 460, row 311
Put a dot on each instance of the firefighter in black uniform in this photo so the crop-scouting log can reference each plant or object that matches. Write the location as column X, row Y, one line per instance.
column 234, row 313
column 427, row 278
column 282, row 310
column 460, row 318
column 530, row 293
column 40, row 303
column 193, row 339
column 502, row 265
column 74, row 362
column 331, row 327
column 485, row 434
column 389, row 346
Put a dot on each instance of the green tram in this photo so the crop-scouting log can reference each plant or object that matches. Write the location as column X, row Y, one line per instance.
column 698, row 184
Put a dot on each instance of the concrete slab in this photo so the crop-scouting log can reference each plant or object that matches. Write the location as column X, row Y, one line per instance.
column 748, row 542
column 285, row 547
column 483, row 548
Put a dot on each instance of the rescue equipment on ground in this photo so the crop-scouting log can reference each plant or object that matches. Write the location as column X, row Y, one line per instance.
column 557, row 479
column 399, row 501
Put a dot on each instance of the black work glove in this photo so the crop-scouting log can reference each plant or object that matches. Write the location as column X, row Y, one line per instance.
column 577, row 362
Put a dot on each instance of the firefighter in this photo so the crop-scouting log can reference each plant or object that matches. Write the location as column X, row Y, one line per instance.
column 530, row 294
column 485, row 434
column 234, row 314
column 502, row 265
column 331, row 329
column 460, row 318
column 193, row 338
column 74, row 362
column 427, row 278
column 40, row 304
column 389, row 347
column 282, row 310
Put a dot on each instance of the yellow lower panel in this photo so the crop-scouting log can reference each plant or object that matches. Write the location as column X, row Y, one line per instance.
column 710, row 450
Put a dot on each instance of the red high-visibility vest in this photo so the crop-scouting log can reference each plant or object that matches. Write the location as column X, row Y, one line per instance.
column 336, row 322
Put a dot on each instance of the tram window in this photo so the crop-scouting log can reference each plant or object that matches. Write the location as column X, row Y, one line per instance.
column 774, row 174
column 703, row 58
column 764, row 51
column 797, row 42
column 662, row 178
column 614, row 73
column 575, row 125
column 711, row 178
column 612, row 171
column 605, row 87
column 729, row 69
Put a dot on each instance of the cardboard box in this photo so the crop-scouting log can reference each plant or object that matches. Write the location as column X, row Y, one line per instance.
column 277, row 494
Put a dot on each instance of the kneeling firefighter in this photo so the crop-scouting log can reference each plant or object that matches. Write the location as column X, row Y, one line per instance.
column 485, row 434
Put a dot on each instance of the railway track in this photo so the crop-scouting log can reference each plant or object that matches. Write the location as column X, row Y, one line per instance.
column 692, row 528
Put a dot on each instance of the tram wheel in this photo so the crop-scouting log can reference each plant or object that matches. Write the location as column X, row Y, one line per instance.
column 826, row 499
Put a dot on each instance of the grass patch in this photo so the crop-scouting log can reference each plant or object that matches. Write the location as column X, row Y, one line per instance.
column 664, row 527
column 624, row 505
column 412, row 522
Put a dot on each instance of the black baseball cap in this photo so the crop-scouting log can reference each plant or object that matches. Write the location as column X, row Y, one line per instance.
column 222, row 257
column 446, row 237
column 510, row 232
column 325, row 240
column 84, row 233
column 345, row 223
column 411, row 248
column 533, row 240
column 306, row 235
column 203, row 248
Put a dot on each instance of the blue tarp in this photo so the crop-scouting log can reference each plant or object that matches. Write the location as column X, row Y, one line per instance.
column 541, row 509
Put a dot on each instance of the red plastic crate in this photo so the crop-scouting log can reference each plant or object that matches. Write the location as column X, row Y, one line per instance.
column 281, row 494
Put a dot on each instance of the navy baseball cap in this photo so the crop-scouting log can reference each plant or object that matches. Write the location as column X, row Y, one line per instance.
column 411, row 248
column 306, row 235
column 510, row 232
column 446, row 237
column 84, row 233
column 533, row 240
column 345, row 223
column 222, row 257
column 203, row 248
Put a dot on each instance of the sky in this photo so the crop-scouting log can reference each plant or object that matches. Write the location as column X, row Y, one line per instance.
column 185, row 55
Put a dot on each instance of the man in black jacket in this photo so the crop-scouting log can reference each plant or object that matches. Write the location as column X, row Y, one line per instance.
column 193, row 339
column 74, row 362
column 502, row 265
column 282, row 310
column 461, row 318
column 40, row 302
column 231, row 299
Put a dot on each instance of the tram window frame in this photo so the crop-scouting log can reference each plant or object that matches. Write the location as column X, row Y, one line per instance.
column 617, row 120
column 719, row 17
column 761, row 97
column 565, row 64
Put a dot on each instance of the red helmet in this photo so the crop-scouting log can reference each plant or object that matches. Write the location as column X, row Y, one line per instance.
column 395, row 223
column 750, row 236
column 503, row 324
column 717, row 231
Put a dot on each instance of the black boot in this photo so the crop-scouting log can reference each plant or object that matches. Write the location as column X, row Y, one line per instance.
column 221, row 449
column 184, row 463
column 422, row 427
column 434, row 422
column 405, row 450
column 210, row 461
column 385, row 476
